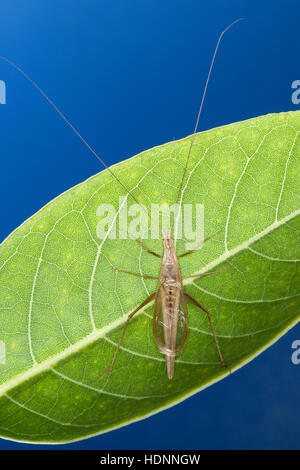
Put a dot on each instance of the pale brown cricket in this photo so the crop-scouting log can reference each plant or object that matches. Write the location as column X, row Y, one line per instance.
column 170, row 325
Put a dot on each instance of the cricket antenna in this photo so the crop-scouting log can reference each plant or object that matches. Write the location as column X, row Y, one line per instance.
column 74, row 130
column 200, row 109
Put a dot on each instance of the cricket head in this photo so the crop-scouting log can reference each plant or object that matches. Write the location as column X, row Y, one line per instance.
column 168, row 241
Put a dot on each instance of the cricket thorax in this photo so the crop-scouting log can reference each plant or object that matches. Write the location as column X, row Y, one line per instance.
column 170, row 271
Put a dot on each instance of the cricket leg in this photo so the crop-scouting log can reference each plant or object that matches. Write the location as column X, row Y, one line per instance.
column 143, row 304
column 196, row 276
column 144, row 276
column 142, row 244
column 194, row 302
column 199, row 246
column 146, row 248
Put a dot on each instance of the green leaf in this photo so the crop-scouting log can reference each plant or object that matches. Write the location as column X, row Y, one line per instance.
column 63, row 306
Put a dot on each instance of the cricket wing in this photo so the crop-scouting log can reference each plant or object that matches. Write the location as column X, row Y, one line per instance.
column 170, row 327
column 182, row 328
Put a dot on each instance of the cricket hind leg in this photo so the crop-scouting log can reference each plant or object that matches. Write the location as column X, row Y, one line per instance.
column 143, row 304
column 194, row 302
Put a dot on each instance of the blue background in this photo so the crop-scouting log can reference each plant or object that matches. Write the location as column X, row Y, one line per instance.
column 129, row 74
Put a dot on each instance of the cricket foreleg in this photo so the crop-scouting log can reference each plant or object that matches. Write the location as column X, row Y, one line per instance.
column 142, row 244
column 199, row 246
column 194, row 302
column 144, row 276
column 143, row 304
column 146, row 248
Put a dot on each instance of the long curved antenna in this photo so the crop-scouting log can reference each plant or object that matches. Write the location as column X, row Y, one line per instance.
column 200, row 109
column 74, row 130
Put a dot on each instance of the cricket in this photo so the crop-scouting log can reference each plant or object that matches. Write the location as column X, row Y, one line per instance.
column 170, row 316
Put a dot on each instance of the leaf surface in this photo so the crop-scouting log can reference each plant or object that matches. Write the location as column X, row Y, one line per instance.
column 63, row 306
